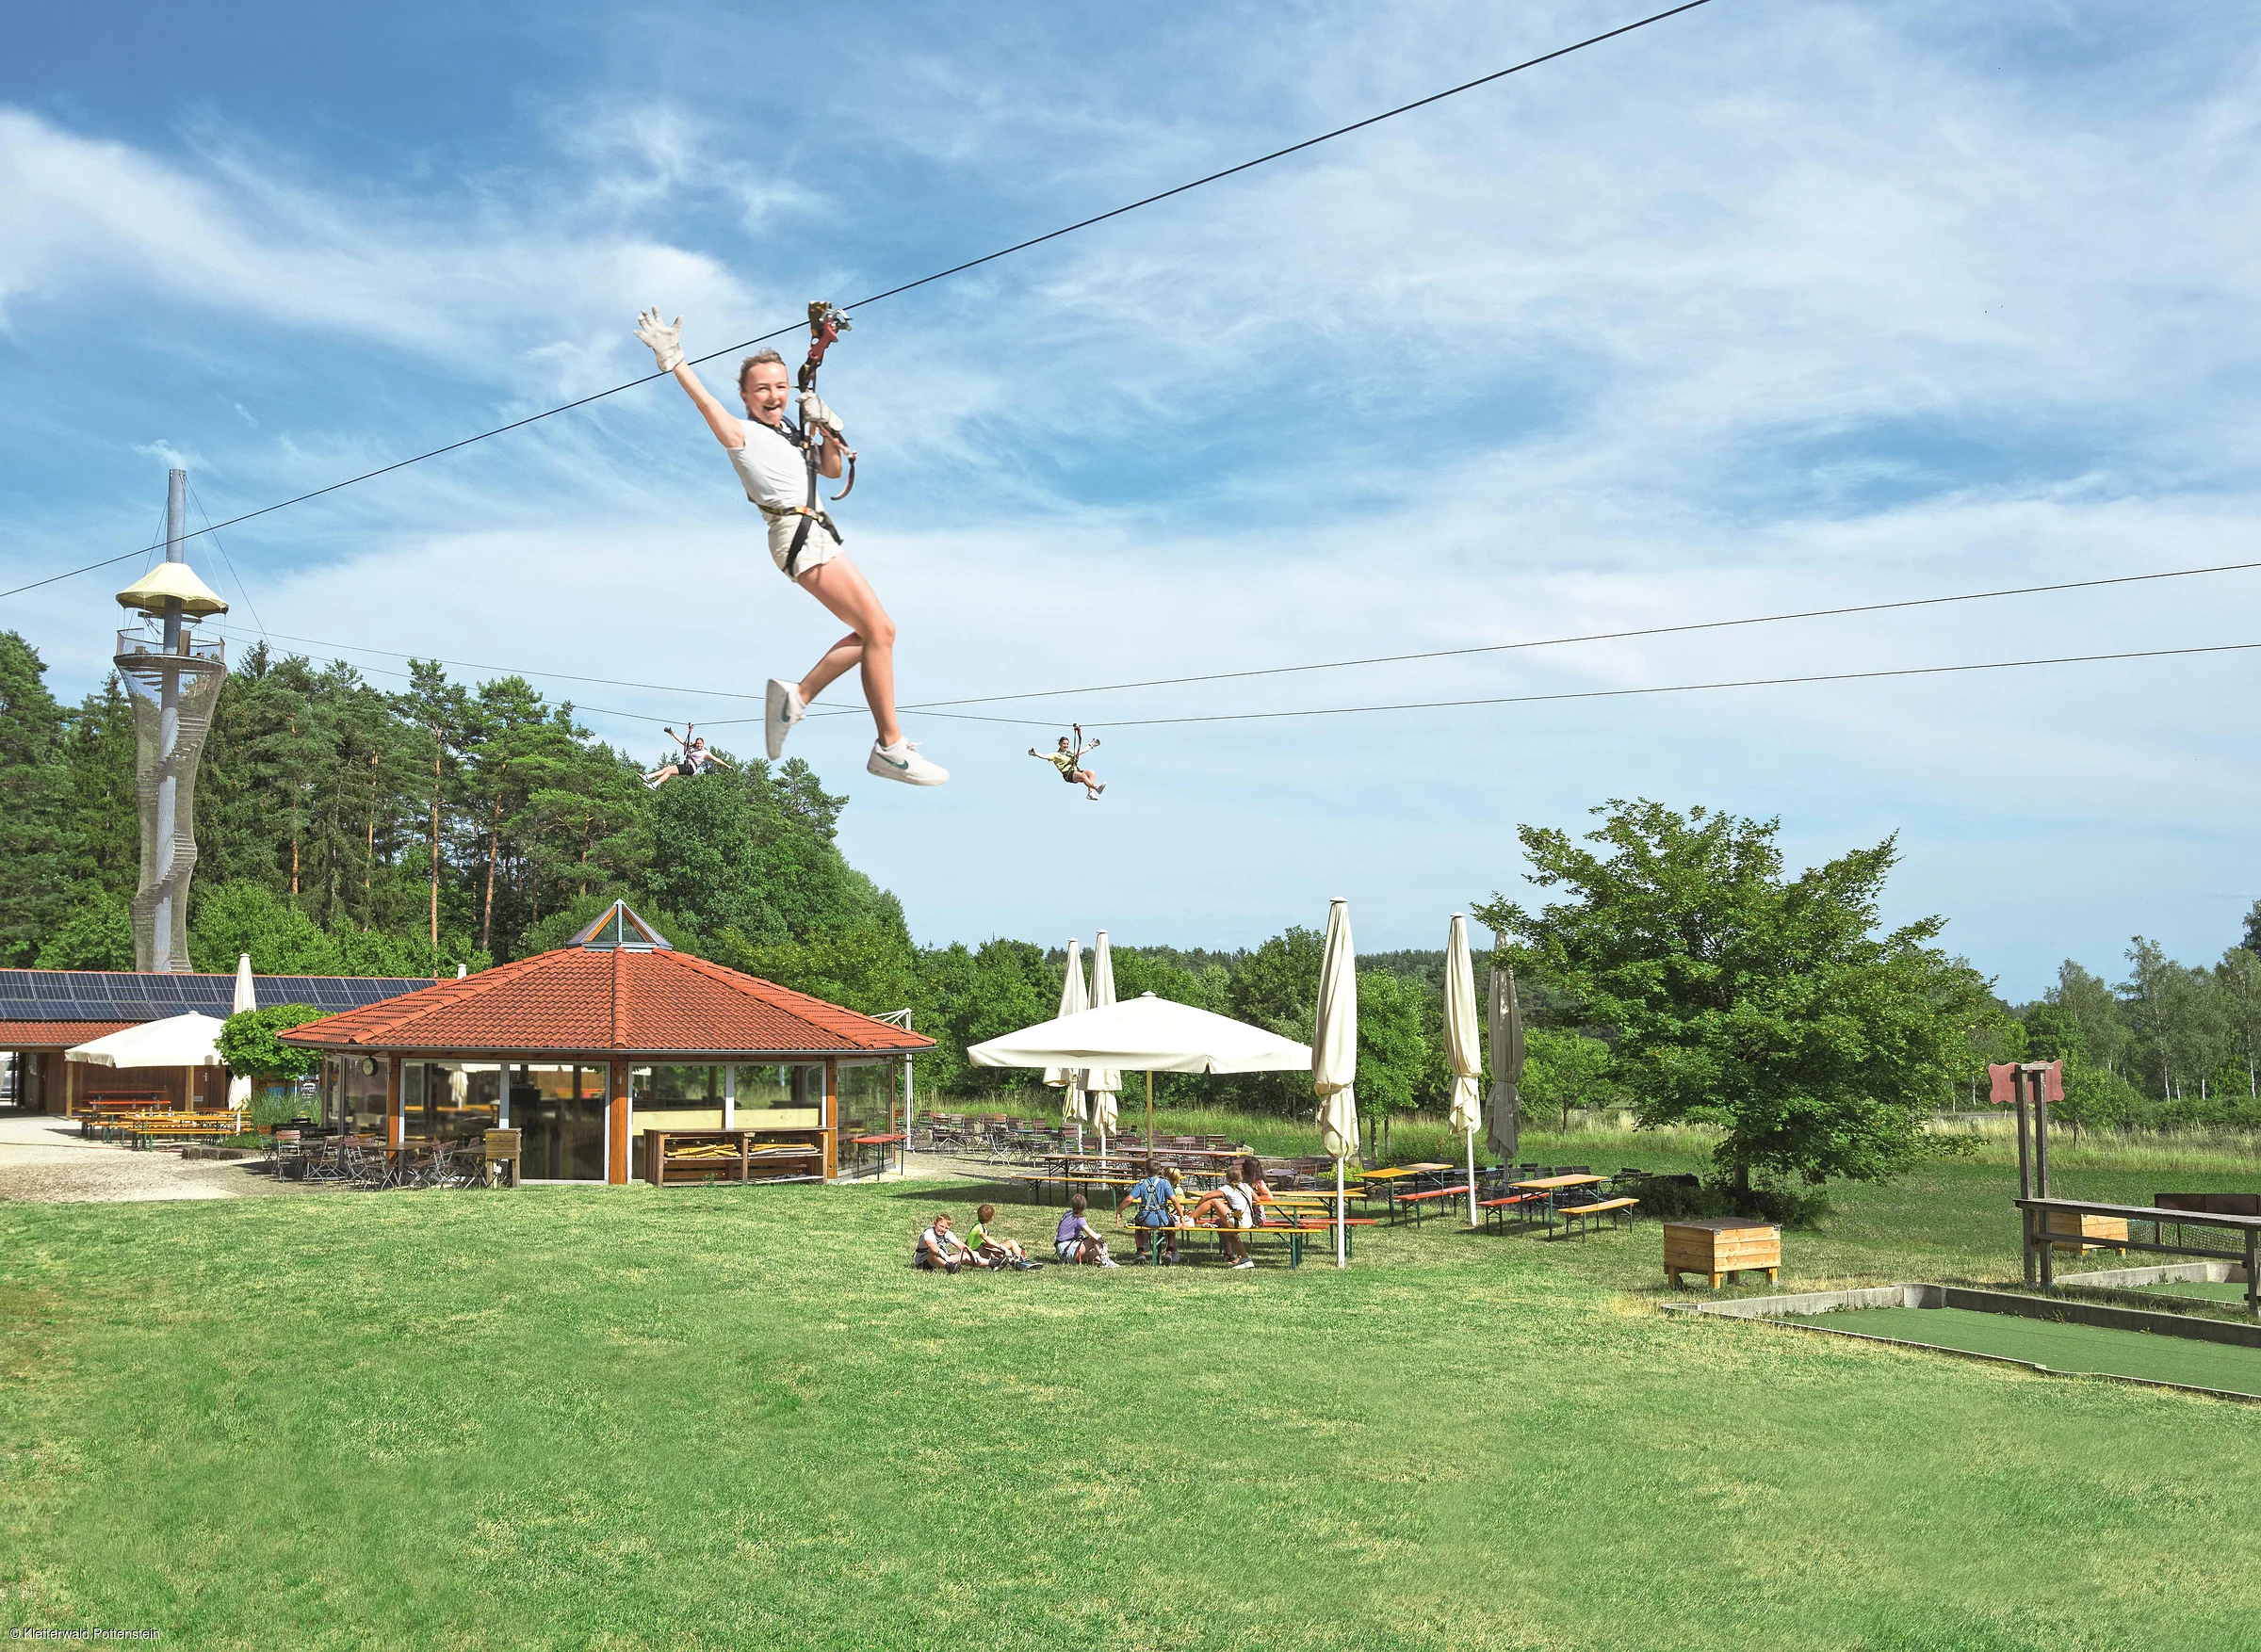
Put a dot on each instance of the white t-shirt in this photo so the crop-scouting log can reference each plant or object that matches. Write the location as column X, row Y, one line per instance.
column 771, row 468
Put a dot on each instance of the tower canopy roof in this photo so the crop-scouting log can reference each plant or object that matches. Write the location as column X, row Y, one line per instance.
column 174, row 580
column 621, row 988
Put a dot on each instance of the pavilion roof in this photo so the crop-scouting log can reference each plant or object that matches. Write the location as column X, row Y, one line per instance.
column 606, row 995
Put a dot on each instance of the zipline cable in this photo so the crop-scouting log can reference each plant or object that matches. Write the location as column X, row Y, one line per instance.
column 1331, row 665
column 1085, row 223
column 1916, row 670
column 936, row 705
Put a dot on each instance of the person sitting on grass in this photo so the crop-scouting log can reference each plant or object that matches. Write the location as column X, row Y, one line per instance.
column 1157, row 1201
column 1078, row 1240
column 997, row 1253
column 940, row 1248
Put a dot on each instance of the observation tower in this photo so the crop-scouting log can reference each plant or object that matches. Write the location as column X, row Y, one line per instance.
column 174, row 676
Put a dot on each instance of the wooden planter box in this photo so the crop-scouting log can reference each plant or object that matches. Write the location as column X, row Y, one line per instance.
column 1721, row 1247
column 2096, row 1232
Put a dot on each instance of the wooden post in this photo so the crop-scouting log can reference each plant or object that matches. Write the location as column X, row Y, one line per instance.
column 617, row 1103
column 2026, row 1218
column 2037, row 1087
column 830, row 1118
column 2252, row 1271
column 393, row 1124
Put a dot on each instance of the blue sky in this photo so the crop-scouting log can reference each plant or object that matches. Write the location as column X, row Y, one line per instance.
column 1765, row 308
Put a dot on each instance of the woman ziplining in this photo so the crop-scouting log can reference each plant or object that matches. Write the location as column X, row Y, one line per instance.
column 779, row 461
column 695, row 760
column 1070, row 763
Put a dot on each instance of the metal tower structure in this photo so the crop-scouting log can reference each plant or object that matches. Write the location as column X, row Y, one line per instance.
column 173, row 677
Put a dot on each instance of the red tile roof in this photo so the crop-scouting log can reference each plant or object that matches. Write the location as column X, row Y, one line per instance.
column 658, row 1001
column 41, row 1035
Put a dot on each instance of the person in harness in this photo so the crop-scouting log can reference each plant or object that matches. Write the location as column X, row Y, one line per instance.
column 1070, row 763
column 779, row 461
column 695, row 760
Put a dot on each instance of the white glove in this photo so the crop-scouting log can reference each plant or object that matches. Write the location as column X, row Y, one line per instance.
column 814, row 413
column 666, row 338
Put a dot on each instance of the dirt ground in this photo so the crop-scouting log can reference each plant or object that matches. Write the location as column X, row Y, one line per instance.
column 43, row 1160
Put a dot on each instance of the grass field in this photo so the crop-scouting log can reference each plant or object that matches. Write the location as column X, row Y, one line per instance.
column 580, row 1418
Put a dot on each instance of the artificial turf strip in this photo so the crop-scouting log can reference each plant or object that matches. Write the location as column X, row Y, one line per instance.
column 2210, row 1289
column 2063, row 1347
column 577, row 1417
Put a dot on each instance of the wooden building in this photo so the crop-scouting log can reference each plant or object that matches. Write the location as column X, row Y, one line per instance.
column 587, row 1050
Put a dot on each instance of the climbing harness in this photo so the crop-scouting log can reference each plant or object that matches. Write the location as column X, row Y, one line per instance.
column 825, row 325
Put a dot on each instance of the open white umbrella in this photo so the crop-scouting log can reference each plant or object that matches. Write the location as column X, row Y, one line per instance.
column 1463, row 1043
column 1506, row 1027
column 1147, row 1034
column 1335, row 1054
column 1071, row 1003
column 1105, row 1081
column 178, row 1040
column 247, row 997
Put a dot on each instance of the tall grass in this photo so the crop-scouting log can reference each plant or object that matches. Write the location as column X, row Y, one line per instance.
column 1597, row 1137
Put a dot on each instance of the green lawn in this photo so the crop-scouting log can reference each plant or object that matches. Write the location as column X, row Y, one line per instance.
column 584, row 1418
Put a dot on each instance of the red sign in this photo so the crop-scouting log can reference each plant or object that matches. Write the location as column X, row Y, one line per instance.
column 2002, row 1077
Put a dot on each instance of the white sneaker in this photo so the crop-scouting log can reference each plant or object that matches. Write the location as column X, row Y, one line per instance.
column 901, row 761
column 785, row 709
column 1244, row 1262
column 1109, row 1263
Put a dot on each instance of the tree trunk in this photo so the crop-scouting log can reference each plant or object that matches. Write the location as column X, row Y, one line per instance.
column 435, row 853
column 368, row 864
column 486, row 922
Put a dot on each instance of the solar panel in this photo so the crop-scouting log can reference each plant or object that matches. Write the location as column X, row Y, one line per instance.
column 81, row 995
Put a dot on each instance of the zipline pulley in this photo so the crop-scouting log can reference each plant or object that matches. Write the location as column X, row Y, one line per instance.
column 825, row 325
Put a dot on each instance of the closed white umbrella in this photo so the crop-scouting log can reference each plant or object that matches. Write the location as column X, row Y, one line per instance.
column 1463, row 1043
column 1335, row 1054
column 247, row 997
column 1106, row 1081
column 1071, row 1003
column 1506, row 1027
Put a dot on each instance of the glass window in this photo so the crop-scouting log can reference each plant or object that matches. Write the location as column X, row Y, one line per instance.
column 560, row 1115
column 679, row 1086
column 869, row 1091
column 363, row 1095
column 781, row 1095
column 450, row 1101
column 673, row 1096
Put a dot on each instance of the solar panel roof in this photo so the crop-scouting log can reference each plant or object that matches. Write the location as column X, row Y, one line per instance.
column 87, row 995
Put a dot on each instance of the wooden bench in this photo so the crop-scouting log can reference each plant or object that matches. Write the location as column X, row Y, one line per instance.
column 1583, row 1215
column 1519, row 1204
column 1419, row 1203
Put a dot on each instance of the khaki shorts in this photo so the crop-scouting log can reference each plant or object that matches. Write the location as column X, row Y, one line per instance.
column 819, row 548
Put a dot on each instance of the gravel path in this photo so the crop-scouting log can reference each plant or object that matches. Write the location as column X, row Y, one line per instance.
column 42, row 1160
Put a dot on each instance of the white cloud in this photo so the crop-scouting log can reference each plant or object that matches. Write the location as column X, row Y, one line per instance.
column 1760, row 310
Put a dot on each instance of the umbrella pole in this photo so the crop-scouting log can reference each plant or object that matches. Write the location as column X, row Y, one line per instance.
column 1340, row 1259
column 1150, row 1121
column 1472, row 1178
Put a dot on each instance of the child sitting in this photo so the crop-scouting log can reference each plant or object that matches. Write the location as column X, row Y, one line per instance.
column 940, row 1248
column 1078, row 1240
column 996, row 1252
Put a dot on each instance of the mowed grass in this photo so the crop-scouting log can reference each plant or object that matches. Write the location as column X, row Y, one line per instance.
column 583, row 1417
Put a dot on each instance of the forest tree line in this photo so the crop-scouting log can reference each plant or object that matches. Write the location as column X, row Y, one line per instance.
column 1687, row 978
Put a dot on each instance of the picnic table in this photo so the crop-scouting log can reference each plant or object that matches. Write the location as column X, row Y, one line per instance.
column 1291, row 1233
column 881, row 1143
